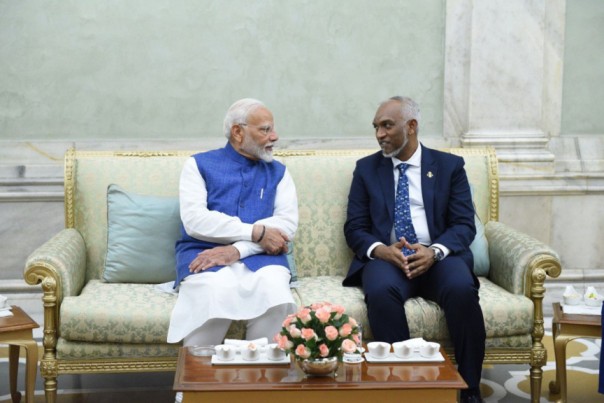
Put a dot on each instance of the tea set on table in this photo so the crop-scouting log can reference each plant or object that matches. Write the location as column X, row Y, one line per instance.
column 591, row 298
column 412, row 350
column 241, row 352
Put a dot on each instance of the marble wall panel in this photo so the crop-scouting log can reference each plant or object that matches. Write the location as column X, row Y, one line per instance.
column 591, row 149
column 24, row 227
column 529, row 214
column 164, row 69
column 507, row 66
column 578, row 231
column 583, row 66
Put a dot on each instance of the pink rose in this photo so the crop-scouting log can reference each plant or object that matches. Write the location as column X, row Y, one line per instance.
column 302, row 351
column 339, row 309
column 304, row 315
column 345, row 330
column 308, row 334
column 284, row 343
column 356, row 339
column 331, row 333
column 323, row 350
column 288, row 320
column 348, row 346
column 323, row 314
column 316, row 305
column 352, row 322
column 294, row 331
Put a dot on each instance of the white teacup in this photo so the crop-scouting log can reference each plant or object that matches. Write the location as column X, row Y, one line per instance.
column 402, row 349
column 352, row 358
column 379, row 349
column 3, row 301
column 429, row 349
column 274, row 353
column 250, row 352
column 225, row 352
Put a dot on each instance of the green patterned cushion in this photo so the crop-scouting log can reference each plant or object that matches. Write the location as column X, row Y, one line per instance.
column 505, row 315
column 124, row 313
column 117, row 313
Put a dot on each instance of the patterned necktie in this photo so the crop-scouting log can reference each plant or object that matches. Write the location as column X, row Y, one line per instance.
column 403, row 226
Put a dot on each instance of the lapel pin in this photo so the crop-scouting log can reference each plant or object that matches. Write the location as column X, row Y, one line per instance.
column 430, row 174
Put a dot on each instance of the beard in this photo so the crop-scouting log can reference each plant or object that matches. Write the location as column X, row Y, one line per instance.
column 258, row 151
column 396, row 152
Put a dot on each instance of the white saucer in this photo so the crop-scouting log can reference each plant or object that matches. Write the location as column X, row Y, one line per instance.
column 413, row 358
column 263, row 359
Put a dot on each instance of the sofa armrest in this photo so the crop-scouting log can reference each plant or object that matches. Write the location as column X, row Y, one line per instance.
column 519, row 262
column 59, row 264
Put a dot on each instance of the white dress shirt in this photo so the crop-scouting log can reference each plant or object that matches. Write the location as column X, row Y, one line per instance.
column 416, row 201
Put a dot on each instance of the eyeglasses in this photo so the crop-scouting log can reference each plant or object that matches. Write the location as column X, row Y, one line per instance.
column 266, row 130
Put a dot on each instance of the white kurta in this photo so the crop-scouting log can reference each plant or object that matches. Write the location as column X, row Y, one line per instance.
column 233, row 292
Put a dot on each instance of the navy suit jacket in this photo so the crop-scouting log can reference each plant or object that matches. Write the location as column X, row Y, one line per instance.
column 447, row 202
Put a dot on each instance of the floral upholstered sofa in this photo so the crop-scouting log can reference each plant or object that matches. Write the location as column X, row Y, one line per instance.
column 102, row 312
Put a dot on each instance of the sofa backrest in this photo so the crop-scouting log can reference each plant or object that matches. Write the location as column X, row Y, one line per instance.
column 322, row 181
column 87, row 176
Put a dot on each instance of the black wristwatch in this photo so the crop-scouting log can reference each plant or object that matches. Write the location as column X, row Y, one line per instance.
column 438, row 254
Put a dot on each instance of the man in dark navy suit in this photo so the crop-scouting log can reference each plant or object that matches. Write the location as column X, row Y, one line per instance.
column 436, row 262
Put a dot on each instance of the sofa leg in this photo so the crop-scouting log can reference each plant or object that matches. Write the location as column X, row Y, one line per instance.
column 536, row 378
column 50, row 389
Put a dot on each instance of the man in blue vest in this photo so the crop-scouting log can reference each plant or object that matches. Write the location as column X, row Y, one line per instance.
column 238, row 209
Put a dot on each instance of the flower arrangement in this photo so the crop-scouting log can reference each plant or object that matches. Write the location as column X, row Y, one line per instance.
column 320, row 330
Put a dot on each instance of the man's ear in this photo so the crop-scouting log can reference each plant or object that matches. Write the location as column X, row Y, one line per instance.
column 237, row 134
column 413, row 125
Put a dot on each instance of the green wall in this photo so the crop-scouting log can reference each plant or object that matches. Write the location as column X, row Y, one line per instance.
column 157, row 69
column 583, row 93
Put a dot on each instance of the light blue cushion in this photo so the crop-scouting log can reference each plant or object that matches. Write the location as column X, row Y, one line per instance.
column 293, row 281
column 141, row 234
column 480, row 250
column 480, row 247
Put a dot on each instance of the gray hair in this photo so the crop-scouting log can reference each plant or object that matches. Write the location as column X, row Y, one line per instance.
column 409, row 107
column 238, row 113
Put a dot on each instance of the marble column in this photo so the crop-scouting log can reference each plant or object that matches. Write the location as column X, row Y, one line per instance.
column 503, row 79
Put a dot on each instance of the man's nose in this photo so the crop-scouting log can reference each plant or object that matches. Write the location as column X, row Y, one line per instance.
column 273, row 136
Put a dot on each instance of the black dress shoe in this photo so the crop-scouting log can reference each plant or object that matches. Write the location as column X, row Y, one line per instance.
column 473, row 398
column 471, row 395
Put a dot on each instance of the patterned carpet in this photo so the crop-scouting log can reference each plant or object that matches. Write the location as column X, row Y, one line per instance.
column 501, row 383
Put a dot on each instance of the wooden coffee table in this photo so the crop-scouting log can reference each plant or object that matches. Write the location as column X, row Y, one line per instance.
column 567, row 327
column 393, row 382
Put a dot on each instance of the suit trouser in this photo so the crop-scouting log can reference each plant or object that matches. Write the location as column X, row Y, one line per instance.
column 451, row 285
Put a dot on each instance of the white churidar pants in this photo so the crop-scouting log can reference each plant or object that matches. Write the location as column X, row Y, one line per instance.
column 208, row 302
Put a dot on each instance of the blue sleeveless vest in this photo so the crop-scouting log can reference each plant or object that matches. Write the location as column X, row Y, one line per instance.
column 239, row 187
